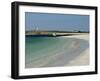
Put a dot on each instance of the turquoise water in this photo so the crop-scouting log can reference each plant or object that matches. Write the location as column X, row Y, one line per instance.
column 38, row 48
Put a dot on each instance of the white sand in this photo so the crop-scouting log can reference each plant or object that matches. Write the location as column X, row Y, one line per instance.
column 82, row 59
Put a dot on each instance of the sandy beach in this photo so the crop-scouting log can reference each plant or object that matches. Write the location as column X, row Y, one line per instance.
column 77, row 54
column 82, row 59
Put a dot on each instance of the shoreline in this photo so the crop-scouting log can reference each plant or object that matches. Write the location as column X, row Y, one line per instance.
column 53, row 60
column 85, row 55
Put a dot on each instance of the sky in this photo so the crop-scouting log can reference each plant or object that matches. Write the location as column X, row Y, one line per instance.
column 58, row 22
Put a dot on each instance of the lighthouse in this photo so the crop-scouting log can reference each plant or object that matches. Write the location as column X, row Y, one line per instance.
column 36, row 29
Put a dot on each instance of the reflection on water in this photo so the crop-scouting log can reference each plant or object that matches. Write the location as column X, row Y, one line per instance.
column 52, row 51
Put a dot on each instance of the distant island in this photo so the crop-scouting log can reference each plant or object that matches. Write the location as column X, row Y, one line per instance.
column 53, row 33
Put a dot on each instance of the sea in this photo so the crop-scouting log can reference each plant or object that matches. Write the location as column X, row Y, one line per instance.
column 52, row 51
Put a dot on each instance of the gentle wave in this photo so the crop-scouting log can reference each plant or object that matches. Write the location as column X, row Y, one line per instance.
column 52, row 51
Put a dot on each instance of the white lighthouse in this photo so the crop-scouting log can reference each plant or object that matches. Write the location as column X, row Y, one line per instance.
column 37, row 28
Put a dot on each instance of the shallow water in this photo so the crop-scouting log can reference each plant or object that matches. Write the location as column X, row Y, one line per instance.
column 38, row 50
